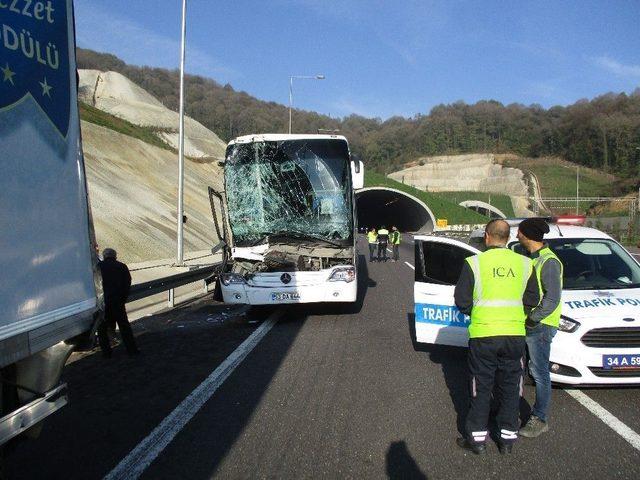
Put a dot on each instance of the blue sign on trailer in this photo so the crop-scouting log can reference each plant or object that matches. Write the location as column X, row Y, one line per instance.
column 35, row 58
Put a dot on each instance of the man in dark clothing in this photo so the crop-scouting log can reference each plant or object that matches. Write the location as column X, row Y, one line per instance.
column 116, row 283
column 383, row 240
column 542, row 321
column 495, row 289
column 395, row 243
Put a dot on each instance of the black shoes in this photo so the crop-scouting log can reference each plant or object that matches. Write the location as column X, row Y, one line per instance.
column 505, row 448
column 481, row 448
column 477, row 448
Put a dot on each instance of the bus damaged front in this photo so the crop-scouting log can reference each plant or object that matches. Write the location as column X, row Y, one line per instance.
column 291, row 215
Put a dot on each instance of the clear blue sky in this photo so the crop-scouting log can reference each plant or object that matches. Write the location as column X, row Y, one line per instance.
column 382, row 58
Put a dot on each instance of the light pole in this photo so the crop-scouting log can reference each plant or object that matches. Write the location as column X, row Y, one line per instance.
column 300, row 77
column 577, row 185
column 180, row 254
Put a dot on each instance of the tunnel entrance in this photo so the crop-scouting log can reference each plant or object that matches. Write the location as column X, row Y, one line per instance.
column 376, row 206
column 483, row 208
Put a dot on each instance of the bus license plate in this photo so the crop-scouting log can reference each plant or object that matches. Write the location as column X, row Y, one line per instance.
column 614, row 362
column 278, row 297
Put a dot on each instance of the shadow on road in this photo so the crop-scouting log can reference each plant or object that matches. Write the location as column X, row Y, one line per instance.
column 400, row 463
column 117, row 402
column 453, row 361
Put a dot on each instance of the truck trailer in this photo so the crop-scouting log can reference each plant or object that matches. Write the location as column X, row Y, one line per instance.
column 50, row 287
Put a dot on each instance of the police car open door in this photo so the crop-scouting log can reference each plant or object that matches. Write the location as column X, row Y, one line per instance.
column 438, row 265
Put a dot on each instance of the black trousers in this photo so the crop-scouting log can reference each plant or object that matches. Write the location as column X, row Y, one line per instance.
column 499, row 362
column 372, row 250
column 116, row 314
column 382, row 251
column 396, row 252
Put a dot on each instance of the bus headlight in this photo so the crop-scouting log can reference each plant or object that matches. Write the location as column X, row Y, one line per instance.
column 232, row 278
column 567, row 324
column 343, row 274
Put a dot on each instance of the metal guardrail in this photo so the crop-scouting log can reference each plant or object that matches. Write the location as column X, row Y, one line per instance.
column 159, row 285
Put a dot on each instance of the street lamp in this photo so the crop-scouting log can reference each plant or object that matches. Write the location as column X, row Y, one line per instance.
column 180, row 216
column 577, row 185
column 300, row 77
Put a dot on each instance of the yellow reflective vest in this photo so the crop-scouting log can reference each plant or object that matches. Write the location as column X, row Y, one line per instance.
column 547, row 254
column 500, row 280
column 372, row 237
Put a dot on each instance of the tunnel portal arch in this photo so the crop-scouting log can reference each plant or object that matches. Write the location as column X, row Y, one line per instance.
column 376, row 206
column 483, row 208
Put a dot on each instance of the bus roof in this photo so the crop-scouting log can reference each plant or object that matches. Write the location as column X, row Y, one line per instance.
column 282, row 137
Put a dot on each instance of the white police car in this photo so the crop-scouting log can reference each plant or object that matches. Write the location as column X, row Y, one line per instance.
column 598, row 341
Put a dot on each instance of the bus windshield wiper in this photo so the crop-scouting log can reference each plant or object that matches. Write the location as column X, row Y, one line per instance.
column 300, row 235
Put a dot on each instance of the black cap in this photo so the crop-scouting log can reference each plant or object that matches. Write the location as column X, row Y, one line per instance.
column 534, row 228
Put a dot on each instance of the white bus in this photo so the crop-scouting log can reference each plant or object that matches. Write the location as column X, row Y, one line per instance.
column 290, row 222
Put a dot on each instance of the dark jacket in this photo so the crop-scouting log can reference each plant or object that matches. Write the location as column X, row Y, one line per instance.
column 116, row 281
column 463, row 293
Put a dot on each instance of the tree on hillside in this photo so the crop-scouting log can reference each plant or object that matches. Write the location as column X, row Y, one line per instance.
column 602, row 133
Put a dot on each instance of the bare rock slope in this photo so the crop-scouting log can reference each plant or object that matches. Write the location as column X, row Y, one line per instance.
column 471, row 172
column 133, row 185
column 119, row 96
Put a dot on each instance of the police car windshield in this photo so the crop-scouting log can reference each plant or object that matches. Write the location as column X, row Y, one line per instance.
column 593, row 264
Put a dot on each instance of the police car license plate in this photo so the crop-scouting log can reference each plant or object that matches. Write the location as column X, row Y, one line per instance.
column 278, row 297
column 615, row 362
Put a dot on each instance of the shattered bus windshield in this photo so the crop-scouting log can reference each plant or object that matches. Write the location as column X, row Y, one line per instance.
column 296, row 187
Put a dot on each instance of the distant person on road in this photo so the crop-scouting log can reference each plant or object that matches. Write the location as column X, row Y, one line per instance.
column 395, row 243
column 383, row 240
column 116, row 283
column 372, row 238
column 542, row 322
column 493, row 289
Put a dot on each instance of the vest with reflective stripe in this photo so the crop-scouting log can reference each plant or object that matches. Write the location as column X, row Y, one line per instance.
column 373, row 237
column 500, row 279
column 395, row 238
column 546, row 254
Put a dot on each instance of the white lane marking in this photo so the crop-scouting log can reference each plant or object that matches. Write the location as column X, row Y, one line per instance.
column 136, row 462
column 409, row 265
column 607, row 417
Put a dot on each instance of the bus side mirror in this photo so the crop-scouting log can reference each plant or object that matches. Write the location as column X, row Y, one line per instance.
column 357, row 174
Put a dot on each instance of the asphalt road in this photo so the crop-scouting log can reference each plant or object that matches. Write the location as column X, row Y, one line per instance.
column 329, row 392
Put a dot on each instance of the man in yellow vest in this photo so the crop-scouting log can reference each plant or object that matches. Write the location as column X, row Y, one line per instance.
column 493, row 289
column 372, row 237
column 395, row 243
column 542, row 321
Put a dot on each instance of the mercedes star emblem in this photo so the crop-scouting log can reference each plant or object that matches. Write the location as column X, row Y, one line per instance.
column 285, row 278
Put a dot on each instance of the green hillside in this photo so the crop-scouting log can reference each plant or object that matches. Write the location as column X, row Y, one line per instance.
column 501, row 202
column 600, row 133
column 558, row 178
column 440, row 206
column 93, row 115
